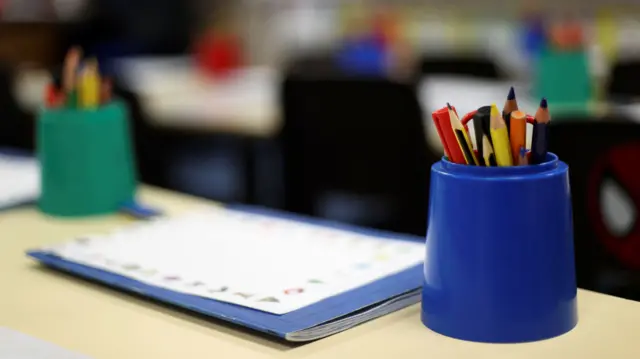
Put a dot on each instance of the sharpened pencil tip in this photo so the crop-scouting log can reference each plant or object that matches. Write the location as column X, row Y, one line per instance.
column 543, row 103
column 512, row 94
column 494, row 110
column 449, row 106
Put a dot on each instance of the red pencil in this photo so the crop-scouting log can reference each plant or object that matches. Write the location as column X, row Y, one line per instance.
column 455, row 152
column 53, row 96
column 443, row 140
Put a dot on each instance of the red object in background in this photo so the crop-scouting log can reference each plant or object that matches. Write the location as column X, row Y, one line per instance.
column 217, row 54
column 385, row 29
column 616, row 167
column 567, row 36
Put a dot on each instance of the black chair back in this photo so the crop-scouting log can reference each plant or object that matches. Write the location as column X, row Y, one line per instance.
column 361, row 141
column 16, row 126
column 622, row 85
column 605, row 186
column 479, row 67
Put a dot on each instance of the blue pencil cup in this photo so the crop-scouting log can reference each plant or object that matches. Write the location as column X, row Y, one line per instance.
column 499, row 261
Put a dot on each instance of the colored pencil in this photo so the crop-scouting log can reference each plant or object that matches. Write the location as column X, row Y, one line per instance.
column 443, row 139
column 89, row 85
column 510, row 105
column 106, row 91
column 53, row 96
column 455, row 152
column 500, row 137
column 70, row 68
column 540, row 137
column 523, row 160
column 487, row 150
column 462, row 138
column 518, row 133
column 69, row 74
column 481, row 127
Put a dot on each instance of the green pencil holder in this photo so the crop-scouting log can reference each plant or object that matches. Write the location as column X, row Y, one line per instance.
column 563, row 77
column 87, row 164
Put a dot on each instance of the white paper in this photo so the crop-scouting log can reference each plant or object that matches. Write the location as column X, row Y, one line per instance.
column 19, row 180
column 261, row 262
column 15, row 345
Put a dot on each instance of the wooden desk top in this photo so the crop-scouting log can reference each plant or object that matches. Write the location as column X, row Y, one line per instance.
column 104, row 323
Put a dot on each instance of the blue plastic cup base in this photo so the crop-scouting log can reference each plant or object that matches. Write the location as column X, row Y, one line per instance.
column 509, row 335
column 499, row 263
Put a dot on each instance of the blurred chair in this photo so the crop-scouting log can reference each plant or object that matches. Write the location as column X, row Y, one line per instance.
column 480, row 67
column 622, row 84
column 355, row 151
column 605, row 189
column 16, row 126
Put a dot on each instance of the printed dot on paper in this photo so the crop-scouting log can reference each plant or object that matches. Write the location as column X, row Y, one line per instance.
column 244, row 295
column 171, row 278
column 148, row 272
column 218, row 290
column 315, row 281
column 293, row 291
column 131, row 267
column 269, row 300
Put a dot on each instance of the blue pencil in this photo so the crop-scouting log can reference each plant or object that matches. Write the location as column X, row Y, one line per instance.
column 540, row 137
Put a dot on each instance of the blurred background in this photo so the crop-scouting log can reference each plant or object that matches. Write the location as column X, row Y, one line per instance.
column 323, row 107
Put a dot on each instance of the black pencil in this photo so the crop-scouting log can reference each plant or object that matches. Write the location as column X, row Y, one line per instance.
column 540, row 136
column 481, row 127
column 468, row 152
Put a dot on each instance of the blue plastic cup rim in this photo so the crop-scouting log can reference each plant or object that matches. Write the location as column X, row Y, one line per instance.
column 550, row 164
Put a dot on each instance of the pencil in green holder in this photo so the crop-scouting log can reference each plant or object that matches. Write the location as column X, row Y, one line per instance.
column 72, row 100
column 87, row 164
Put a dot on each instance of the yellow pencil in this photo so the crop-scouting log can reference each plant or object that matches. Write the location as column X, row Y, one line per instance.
column 463, row 138
column 89, row 86
column 487, row 151
column 500, row 137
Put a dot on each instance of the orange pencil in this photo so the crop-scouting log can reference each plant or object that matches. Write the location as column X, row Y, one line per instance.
column 71, row 63
column 518, row 133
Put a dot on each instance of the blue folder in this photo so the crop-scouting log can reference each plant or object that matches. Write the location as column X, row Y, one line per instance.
column 315, row 321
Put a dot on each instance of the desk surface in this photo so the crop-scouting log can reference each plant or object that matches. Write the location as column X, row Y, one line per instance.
column 105, row 323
